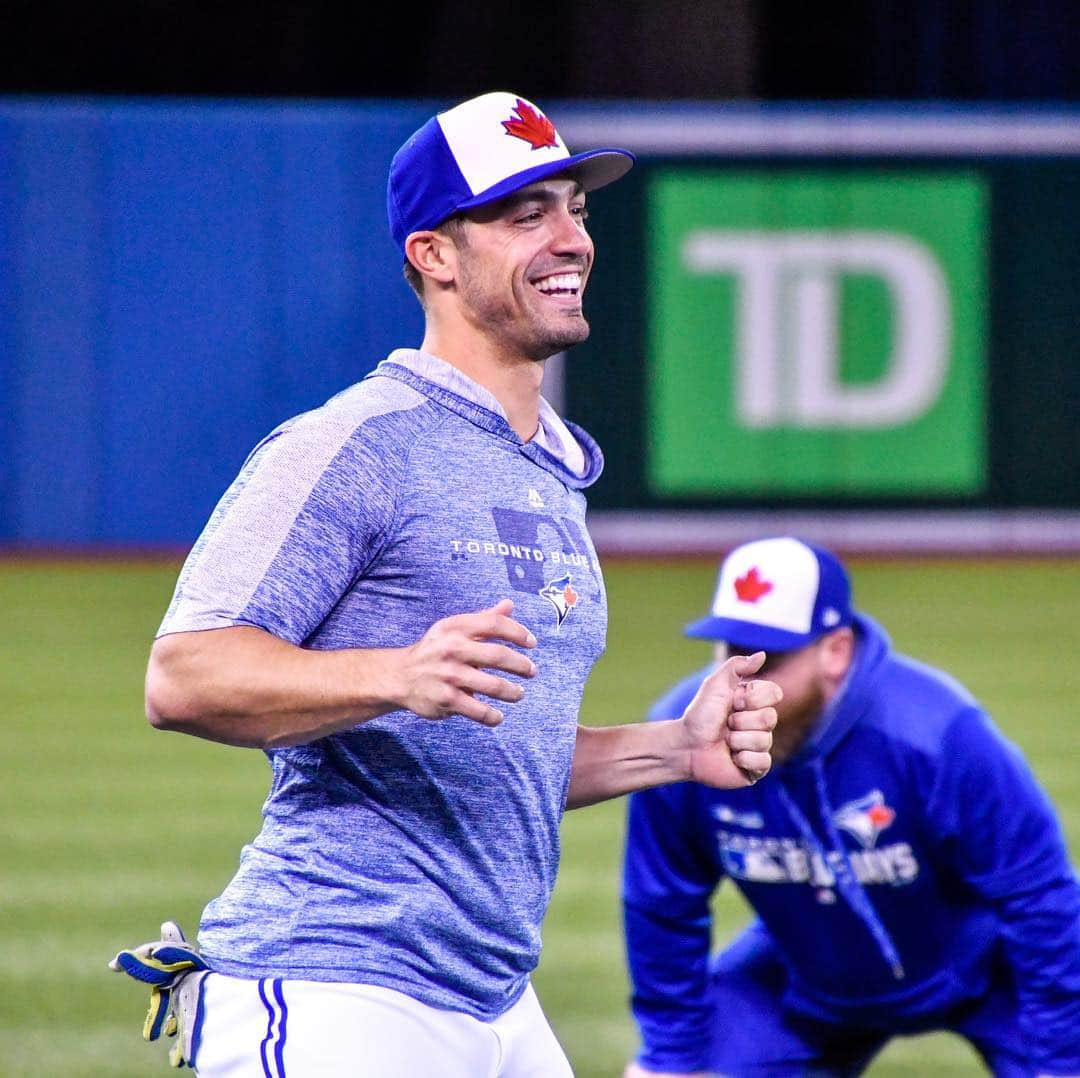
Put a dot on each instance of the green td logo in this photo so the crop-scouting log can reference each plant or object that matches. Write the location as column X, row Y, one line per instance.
column 817, row 333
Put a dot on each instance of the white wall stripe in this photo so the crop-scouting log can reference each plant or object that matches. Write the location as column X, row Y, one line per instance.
column 698, row 130
column 986, row 532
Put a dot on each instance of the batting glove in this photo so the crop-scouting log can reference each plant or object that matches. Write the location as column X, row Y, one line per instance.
column 172, row 967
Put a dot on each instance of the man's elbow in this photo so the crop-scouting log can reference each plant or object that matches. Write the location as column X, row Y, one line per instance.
column 163, row 703
column 191, row 689
column 170, row 703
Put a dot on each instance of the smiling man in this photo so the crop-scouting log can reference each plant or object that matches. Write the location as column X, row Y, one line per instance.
column 416, row 550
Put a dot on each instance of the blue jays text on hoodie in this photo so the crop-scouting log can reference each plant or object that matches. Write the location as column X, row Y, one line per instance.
column 894, row 861
column 411, row 854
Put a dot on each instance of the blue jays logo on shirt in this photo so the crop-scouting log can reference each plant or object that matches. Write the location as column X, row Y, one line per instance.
column 561, row 594
column 865, row 818
column 757, row 859
column 546, row 556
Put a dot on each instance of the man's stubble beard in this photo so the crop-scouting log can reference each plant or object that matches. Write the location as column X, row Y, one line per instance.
column 792, row 730
column 501, row 313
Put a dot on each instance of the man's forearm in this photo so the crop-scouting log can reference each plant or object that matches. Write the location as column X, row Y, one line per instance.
column 722, row 739
column 610, row 761
column 245, row 687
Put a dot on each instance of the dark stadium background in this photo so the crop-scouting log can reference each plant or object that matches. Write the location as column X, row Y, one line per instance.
column 901, row 50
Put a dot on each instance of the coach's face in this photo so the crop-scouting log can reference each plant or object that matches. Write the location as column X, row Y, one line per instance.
column 809, row 678
column 522, row 267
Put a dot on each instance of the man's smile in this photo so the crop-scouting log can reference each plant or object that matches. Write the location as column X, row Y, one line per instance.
column 560, row 284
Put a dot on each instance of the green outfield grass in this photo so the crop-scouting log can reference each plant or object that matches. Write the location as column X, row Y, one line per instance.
column 107, row 826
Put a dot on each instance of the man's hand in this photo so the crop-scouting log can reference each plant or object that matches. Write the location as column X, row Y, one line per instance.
column 172, row 968
column 244, row 686
column 728, row 725
column 445, row 671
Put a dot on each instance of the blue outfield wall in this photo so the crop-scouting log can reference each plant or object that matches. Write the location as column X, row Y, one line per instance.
column 175, row 279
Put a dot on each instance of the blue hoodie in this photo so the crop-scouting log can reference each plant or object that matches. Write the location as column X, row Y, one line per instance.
column 895, row 860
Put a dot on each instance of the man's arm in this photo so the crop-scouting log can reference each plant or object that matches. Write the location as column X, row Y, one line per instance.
column 1004, row 840
column 723, row 739
column 244, row 686
column 669, row 874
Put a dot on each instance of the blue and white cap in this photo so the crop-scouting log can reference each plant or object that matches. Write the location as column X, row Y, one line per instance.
column 480, row 151
column 777, row 595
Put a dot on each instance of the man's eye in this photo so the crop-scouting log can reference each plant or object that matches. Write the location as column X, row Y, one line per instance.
column 581, row 213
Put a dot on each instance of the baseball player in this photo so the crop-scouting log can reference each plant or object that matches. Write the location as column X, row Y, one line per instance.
column 398, row 601
column 906, row 871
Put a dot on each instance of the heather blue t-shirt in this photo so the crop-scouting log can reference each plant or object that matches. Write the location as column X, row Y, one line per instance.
column 407, row 853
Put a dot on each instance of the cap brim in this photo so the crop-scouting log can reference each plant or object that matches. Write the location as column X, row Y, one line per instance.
column 593, row 169
column 749, row 635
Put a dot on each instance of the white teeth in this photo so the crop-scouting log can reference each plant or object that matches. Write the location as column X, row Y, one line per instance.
column 560, row 282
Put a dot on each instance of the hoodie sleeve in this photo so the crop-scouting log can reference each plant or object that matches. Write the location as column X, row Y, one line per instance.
column 1003, row 837
column 668, row 878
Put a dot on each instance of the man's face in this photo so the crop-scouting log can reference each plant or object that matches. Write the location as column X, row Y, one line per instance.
column 523, row 263
column 808, row 677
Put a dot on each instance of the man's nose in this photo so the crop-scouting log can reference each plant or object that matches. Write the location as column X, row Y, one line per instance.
column 570, row 235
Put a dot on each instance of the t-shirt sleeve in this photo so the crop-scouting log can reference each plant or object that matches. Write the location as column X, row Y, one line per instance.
column 308, row 512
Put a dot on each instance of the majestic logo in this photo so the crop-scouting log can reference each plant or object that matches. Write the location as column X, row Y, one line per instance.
column 531, row 126
column 560, row 593
column 866, row 818
column 726, row 814
column 534, row 499
column 751, row 587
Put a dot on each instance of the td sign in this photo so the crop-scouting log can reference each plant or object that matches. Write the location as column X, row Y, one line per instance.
column 817, row 333
column 787, row 316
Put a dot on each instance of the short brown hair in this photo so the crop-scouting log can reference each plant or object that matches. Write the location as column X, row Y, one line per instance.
column 454, row 227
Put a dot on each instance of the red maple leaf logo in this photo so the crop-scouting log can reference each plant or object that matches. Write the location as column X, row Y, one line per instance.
column 881, row 816
column 751, row 587
column 532, row 126
column 570, row 595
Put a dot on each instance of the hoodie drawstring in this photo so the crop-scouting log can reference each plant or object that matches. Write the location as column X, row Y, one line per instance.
column 846, row 880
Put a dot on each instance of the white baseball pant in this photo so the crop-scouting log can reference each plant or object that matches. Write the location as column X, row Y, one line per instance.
column 309, row 1029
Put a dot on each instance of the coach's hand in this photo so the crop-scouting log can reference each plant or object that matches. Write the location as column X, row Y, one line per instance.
column 447, row 669
column 728, row 725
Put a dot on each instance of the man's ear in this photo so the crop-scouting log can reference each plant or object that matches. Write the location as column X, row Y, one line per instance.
column 838, row 651
column 433, row 255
